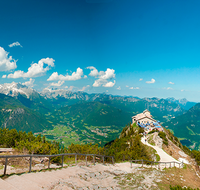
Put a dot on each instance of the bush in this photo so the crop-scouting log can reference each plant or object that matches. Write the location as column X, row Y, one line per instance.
column 178, row 187
column 163, row 136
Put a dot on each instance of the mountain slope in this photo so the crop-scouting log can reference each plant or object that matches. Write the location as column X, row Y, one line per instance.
column 14, row 115
column 187, row 126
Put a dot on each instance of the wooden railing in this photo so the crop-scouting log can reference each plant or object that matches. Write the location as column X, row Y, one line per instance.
column 55, row 155
column 147, row 162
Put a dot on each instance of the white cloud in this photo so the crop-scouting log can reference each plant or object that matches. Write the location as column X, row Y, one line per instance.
column 182, row 90
column 94, row 72
column 85, row 76
column 6, row 63
column 171, row 82
column 109, row 84
column 66, row 86
column 102, row 76
column 151, row 82
column 4, row 76
column 59, row 83
column 29, row 83
column 15, row 44
column 127, row 86
column 169, row 88
column 84, row 88
column 119, row 88
column 136, row 88
column 140, row 79
column 74, row 76
column 108, row 74
column 99, row 82
column 35, row 70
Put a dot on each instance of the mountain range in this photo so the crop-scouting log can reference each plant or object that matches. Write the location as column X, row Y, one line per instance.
column 68, row 116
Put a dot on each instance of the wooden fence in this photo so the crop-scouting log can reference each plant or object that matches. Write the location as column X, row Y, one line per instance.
column 55, row 155
column 147, row 162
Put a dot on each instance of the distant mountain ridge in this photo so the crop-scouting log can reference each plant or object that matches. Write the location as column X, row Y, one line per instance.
column 60, row 95
column 187, row 126
column 184, row 103
column 62, row 111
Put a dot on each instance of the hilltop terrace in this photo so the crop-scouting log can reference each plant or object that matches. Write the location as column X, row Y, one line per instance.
column 146, row 121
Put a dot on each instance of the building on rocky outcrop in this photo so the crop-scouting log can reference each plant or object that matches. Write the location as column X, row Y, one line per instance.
column 146, row 121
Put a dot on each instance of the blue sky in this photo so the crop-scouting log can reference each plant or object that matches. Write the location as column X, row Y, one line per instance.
column 122, row 47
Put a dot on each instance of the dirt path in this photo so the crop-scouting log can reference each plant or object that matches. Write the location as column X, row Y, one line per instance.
column 164, row 157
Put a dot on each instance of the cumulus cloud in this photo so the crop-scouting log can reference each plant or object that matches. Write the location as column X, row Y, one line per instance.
column 59, row 83
column 108, row 74
column 137, row 88
column 109, row 84
column 182, row 90
column 127, row 86
column 140, row 79
column 15, row 44
column 171, row 82
column 6, row 63
column 74, row 76
column 119, row 88
column 4, row 76
column 94, row 72
column 84, row 88
column 151, row 81
column 35, row 70
column 99, row 82
column 103, row 77
column 29, row 83
column 131, row 88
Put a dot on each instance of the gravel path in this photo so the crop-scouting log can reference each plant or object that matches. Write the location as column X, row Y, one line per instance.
column 164, row 157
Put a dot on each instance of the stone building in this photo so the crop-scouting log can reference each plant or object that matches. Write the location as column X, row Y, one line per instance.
column 146, row 121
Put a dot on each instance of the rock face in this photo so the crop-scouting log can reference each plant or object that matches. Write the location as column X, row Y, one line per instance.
column 14, row 89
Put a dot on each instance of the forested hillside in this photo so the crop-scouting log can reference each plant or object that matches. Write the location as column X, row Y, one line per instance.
column 187, row 127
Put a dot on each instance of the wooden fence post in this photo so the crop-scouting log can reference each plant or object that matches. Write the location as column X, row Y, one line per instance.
column 170, row 165
column 62, row 160
column 112, row 160
column 142, row 163
column 6, row 161
column 93, row 160
column 86, row 160
column 49, row 162
column 103, row 160
column 131, row 163
column 30, row 166
column 76, row 159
